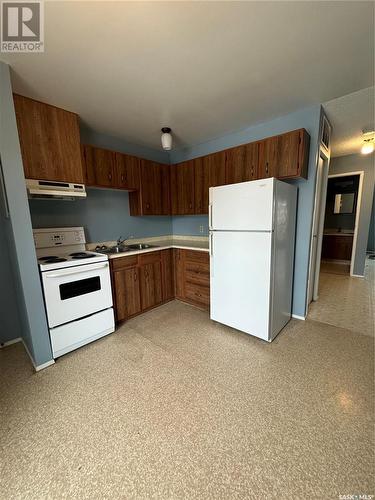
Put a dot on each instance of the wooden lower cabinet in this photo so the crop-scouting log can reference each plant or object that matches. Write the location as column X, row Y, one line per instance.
column 141, row 282
column 337, row 247
column 151, row 280
column 192, row 277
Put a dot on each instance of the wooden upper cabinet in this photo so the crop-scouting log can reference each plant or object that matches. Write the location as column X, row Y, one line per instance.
column 182, row 187
column 153, row 196
column 268, row 158
column 50, row 141
column 241, row 163
column 216, row 168
column 126, row 171
column 201, row 185
column 99, row 167
column 293, row 154
column 235, row 164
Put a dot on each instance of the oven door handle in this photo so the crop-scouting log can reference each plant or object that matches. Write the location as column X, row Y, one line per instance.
column 70, row 273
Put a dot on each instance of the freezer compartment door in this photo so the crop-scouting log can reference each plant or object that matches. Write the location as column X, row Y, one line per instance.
column 240, row 269
column 247, row 206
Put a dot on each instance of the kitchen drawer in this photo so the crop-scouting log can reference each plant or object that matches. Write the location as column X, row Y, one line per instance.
column 197, row 272
column 197, row 294
column 122, row 262
column 197, row 256
column 149, row 258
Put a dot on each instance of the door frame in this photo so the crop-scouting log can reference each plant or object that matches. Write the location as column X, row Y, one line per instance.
column 317, row 227
column 357, row 214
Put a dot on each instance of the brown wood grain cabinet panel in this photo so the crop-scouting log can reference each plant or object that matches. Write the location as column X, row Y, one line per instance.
column 151, row 285
column 127, row 293
column 268, row 157
column 197, row 294
column 126, row 171
column 153, row 196
column 235, row 162
column 216, row 168
column 293, row 154
column 50, row 141
column 182, row 182
column 201, row 186
column 167, row 268
column 99, row 167
column 337, row 247
column 179, row 273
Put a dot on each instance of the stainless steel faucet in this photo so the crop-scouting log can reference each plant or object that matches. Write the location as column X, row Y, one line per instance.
column 120, row 241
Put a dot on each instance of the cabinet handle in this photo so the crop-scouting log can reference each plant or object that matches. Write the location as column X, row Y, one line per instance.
column 266, row 167
column 190, row 205
column 147, row 205
column 135, row 276
column 110, row 176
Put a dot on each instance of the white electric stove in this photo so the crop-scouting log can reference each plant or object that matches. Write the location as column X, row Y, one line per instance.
column 77, row 288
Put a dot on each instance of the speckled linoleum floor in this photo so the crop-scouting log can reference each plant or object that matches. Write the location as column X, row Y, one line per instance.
column 173, row 406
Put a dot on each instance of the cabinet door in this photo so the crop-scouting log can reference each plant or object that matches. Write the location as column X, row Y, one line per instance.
column 293, row 154
column 251, row 161
column 127, row 293
column 268, row 157
column 151, row 183
column 216, row 168
column 167, row 274
column 151, row 285
column 126, row 169
column 165, row 189
column 201, row 182
column 179, row 273
column 50, row 141
column 99, row 167
column 182, row 181
column 235, row 165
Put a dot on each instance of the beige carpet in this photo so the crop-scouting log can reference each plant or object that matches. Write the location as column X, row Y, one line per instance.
column 174, row 406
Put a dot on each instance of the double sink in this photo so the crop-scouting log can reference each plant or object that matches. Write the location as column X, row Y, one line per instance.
column 128, row 248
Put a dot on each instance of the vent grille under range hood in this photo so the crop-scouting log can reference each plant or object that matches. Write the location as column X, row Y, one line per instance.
column 54, row 190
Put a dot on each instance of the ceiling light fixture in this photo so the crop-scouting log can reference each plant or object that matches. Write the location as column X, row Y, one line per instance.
column 368, row 142
column 166, row 138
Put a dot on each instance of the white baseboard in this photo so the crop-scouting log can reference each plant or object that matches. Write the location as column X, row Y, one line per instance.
column 296, row 316
column 10, row 342
column 357, row 275
column 37, row 368
column 44, row 365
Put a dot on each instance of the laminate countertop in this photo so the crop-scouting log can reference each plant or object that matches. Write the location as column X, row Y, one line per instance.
column 187, row 244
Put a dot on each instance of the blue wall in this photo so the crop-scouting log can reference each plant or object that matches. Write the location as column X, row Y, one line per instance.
column 10, row 326
column 190, row 225
column 371, row 233
column 89, row 136
column 310, row 120
column 18, row 234
column 104, row 214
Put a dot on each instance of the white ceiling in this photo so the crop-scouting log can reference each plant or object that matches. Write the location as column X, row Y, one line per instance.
column 202, row 68
column 349, row 116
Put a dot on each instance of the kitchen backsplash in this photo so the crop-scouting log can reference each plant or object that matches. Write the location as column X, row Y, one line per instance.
column 105, row 216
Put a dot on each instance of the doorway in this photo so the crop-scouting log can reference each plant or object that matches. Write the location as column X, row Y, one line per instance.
column 336, row 220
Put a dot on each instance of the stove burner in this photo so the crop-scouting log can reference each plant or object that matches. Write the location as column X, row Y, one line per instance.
column 48, row 257
column 53, row 260
column 80, row 255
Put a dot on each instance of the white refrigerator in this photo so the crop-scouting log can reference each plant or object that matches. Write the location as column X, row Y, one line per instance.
column 251, row 233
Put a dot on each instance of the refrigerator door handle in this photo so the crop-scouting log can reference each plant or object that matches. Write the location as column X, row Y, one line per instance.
column 210, row 216
column 211, row 245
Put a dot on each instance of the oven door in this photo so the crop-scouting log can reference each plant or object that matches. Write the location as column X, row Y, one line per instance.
column 76, row 292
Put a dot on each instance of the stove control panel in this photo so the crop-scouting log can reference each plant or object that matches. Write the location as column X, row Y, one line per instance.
column 58, row 237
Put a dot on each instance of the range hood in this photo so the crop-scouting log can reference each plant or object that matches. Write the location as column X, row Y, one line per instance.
column 54, row 190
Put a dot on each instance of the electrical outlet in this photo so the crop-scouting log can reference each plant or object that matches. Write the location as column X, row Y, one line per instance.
column 201, row 229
